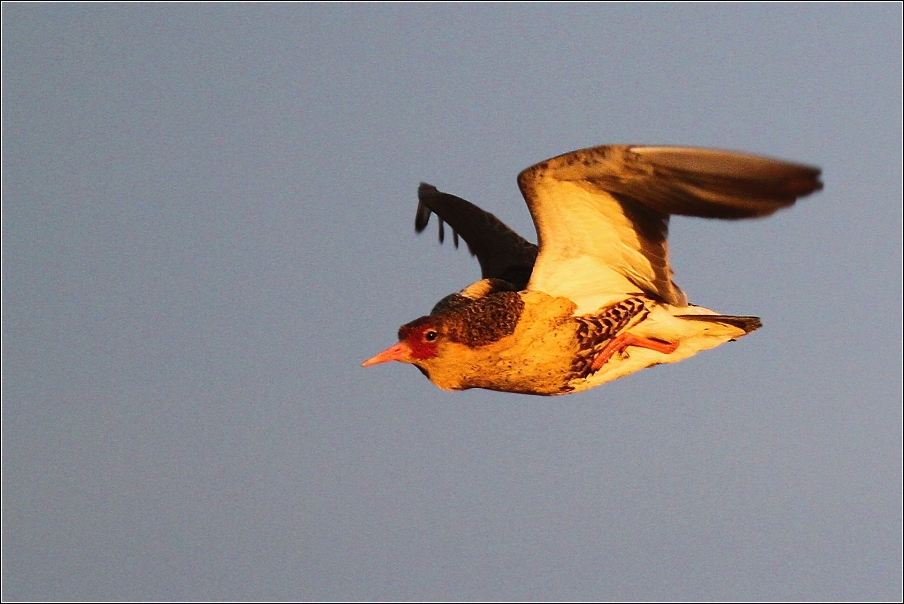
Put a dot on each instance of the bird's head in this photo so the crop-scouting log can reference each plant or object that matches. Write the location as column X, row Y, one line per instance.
column 456, row 340
column 418, row 342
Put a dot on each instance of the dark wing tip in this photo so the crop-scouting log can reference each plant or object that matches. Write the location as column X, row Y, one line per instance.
column 805, row 183
column 713, row 183
column 422, row 217
column 426, row 194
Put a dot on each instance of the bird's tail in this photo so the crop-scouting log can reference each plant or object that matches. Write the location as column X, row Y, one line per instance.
column 748, row 324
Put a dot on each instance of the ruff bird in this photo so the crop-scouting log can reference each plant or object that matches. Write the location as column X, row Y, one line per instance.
column 594, row 300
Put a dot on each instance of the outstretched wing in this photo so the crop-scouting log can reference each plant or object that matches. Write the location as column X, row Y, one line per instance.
column 502, row 253
column 602, row 213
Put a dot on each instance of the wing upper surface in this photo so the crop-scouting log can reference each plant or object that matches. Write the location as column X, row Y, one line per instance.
column 602, row 213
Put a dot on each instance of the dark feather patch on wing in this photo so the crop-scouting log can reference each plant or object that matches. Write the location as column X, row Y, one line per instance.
column 502, row 253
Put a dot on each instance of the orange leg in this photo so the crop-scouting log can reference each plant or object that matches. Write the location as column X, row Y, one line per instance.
column 620, row 342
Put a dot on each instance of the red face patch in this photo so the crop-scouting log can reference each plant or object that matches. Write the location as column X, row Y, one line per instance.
column 421, row 337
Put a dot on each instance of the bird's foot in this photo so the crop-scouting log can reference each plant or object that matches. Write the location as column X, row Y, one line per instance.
column 620, row 342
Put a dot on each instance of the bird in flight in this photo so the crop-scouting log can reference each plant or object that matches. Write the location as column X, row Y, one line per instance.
column 594, row 300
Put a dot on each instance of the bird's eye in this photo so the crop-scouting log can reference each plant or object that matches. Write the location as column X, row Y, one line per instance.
column 430, row 335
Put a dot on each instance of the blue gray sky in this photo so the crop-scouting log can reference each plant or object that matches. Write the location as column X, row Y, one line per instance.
column 208, row 225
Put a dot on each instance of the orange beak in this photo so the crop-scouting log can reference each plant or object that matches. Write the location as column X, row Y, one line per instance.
column 399, row 352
